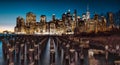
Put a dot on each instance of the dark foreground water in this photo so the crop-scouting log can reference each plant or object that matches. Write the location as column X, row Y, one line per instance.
column 45, row 57
column 1, row 54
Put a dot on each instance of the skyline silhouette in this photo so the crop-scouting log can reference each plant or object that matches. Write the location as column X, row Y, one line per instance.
column 10, row 10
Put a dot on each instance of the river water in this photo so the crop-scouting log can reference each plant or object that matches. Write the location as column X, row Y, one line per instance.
column 1, row 54
column 100, row 58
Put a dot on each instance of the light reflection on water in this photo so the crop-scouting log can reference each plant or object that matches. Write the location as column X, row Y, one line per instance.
column 46, row 56
column 1, row 56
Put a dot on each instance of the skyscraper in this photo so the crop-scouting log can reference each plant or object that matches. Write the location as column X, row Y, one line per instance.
column 53, row 17
column 87, row 13
column 43, row 18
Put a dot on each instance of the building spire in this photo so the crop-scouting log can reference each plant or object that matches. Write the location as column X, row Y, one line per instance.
column 87, row 7
column 87, row 13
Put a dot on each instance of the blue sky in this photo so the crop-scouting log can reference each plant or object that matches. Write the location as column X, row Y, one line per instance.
column 10, row 9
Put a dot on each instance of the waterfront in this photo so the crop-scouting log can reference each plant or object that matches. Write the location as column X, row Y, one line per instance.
column 53, row 50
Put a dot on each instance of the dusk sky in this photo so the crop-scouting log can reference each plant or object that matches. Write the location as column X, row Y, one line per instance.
column 11, row 9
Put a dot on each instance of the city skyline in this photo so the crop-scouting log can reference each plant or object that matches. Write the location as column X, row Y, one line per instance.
column 11, row 10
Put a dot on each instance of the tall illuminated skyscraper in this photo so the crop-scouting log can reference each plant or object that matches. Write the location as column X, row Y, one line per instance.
column 53, row 17
column 75, row 17
column 30, row 19
column 87, row 13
